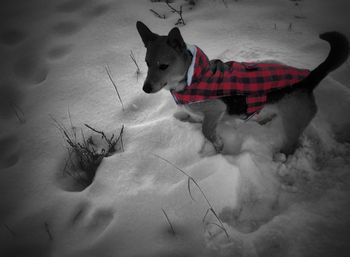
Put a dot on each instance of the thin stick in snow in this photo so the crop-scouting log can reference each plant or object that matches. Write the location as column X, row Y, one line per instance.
column 10, row 230
column 18, row 112
column 167, row 218
column 190, row 178
column 157, row 14
column 115, row 86
column 71, row 125
column 121, row 137
column 48, row 231
column 138, row 71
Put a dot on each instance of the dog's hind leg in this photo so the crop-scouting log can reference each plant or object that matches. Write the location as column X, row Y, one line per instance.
column 296, row 111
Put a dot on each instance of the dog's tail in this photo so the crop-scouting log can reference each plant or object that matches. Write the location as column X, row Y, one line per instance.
column 337, row 56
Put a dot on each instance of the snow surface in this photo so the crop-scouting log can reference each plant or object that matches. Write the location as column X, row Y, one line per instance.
column 53, row 56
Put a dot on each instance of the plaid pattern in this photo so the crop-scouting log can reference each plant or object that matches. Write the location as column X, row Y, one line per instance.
column 215, row 79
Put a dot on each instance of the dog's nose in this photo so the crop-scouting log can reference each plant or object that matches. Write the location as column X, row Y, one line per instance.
column 147, row 87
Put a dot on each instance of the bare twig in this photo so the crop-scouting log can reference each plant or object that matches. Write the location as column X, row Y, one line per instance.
column 121, row 138
column 157, row 14
column 190, row 178
column 98, row 132
column 10, row 230
column 111, row 143
column 205, row 215
column 215, row 224
column 115, row 86
column 138, row 71
column 180, row 21
column 18, row 112
column 167, row 218
column 71, row 124
column 48, row 231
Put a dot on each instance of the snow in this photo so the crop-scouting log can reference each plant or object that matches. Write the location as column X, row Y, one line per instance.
column 55, row 54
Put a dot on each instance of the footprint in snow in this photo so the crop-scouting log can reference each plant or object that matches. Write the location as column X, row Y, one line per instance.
column 30, row 68
column 78, row 5
column 250, row 216
column 12, row 36
column 271, row 243
column 72, row 5
column 95, row 221
column 58, row 52
column 100, row 220
column 66, row 28
column 9, row 153
column 96, row 11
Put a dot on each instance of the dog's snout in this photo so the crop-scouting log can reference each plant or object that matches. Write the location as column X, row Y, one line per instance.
column 147, row 87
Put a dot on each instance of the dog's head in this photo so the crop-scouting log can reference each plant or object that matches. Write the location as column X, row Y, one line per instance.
column 167, row 59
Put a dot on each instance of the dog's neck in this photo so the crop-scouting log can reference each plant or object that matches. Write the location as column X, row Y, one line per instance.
column 183, row 82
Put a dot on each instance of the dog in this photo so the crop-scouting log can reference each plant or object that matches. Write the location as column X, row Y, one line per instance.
column 209, row 89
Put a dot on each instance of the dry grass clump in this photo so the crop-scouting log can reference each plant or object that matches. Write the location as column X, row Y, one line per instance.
column 85, row 154
column 180, row 20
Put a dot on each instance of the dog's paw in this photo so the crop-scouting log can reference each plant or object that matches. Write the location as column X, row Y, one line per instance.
column 212, row 148
column 185, row 117
column 207, row 149
column 181, row 116
column 218, row 145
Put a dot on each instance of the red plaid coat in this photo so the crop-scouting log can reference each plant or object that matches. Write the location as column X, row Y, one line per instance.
column 215, row 79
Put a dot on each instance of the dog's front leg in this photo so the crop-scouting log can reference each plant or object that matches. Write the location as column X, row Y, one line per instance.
column 212, row 111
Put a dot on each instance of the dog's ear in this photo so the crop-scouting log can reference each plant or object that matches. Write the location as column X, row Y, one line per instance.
column 175, row 40
column 145, row 33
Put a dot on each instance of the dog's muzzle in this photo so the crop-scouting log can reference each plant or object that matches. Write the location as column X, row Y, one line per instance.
column 147, row 88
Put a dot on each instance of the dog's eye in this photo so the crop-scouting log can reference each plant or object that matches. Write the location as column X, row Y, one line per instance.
column 163, row 66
